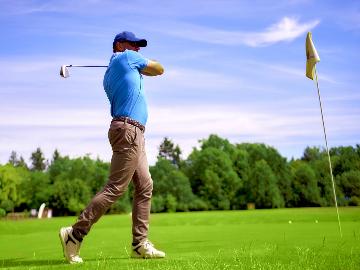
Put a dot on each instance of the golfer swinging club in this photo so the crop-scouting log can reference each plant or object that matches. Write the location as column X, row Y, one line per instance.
column 123, row 84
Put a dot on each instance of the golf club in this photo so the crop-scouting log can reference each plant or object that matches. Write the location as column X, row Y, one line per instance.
column 64, row 71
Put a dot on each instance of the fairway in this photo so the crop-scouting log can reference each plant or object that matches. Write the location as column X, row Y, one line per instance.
column 256, row 239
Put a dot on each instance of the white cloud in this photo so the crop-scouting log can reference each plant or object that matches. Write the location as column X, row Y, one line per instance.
column 191, row 79
column 228, row 8
column 56, row 118
column 287, row 29
column 225, row 119
column 78, row 132
column 281, row 69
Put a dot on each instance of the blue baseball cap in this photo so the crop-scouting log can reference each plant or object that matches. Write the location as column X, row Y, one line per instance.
column 130, row 36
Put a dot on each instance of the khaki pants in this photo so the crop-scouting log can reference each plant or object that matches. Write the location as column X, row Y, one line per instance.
column 128, row 163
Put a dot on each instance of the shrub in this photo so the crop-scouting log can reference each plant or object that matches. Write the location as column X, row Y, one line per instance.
column 157, row 204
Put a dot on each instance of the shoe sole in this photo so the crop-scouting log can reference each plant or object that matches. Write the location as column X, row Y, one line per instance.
column 136, row 256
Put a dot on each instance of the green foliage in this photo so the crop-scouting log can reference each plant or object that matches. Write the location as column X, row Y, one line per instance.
column 122, row 205
column 170, row 203
column 312, row 154
column 263, row 188
column 306, row 192
column 349, row 183
column 38, row 162
column 93, row 172
column 275, row 170
column 13, row 159
column 172, row 188
column 213, row 178
column 7, row 205
column 317, row 159
column 2, row 212
column 347, row 159
column 157, row 204
column 167, row 150
column 83, row 177
column 17, row 162
column 216, row 176
column 72, row 195
column 56, row 156
column 219, row 143
column 36, row 189
column 11, row 179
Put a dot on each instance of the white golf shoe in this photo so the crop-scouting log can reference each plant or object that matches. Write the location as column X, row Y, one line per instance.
column 146, row 250
column 71, row 246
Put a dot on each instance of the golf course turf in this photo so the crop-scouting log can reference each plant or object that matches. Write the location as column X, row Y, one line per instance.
column 302, row 238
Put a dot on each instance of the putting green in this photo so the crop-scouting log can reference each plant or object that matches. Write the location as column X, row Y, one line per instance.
column 304, row 238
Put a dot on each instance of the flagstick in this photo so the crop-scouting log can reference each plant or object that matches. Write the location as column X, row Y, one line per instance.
column 328, row 153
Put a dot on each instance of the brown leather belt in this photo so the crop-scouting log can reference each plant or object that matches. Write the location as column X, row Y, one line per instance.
column 130, row 121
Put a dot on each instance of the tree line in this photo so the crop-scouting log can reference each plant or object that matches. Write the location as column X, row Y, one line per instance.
column 218, row 175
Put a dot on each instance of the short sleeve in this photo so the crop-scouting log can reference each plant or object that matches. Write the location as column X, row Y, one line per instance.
column 136, row 60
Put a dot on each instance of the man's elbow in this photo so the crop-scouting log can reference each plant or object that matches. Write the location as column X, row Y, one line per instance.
column 161, row 70
column 158, row 68
column 154, row 68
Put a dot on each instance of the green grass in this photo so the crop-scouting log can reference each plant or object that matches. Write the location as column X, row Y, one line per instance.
column 258, row 239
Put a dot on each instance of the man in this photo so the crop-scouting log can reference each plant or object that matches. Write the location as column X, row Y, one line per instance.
column 123, row 84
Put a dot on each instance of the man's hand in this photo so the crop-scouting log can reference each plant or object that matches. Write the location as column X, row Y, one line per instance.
column 153, row 68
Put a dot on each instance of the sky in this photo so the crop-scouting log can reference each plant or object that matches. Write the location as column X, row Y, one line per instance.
column 233, row 68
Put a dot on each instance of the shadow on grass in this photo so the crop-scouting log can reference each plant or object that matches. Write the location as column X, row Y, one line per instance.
column 8, row 263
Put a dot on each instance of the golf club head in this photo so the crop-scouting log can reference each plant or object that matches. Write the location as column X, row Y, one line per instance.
column 64, row 72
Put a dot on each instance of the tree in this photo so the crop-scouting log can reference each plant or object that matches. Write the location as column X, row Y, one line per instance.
column 169, row 151
column 347, row 159
column 279, row 167
column 15, row 161
column 122, row 204
column 93, row 172
column 69, row 196
column 84, row 177
column 219, row 143
column 56, row 156
column 312, row 154
column 305, row 186
column 349, row 183
column 38, row 160
column 11, row 194
column 242, row 168
column 36, row 189
column 263, row 187
column 324, row 182
column 22, row 163
column 241, row 163
column 317, row 159
column 172, row 186
column 213, row 178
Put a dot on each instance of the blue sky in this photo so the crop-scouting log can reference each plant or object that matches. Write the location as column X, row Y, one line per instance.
column 234, row 68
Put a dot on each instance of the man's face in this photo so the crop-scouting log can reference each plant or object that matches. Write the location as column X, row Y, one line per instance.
column 131, row 46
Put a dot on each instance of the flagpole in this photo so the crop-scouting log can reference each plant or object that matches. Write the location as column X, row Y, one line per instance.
column 327, row 150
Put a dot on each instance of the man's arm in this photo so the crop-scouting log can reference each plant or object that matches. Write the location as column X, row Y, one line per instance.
column 153, row 68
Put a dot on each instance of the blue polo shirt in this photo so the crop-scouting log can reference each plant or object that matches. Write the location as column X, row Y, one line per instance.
column 123, row 85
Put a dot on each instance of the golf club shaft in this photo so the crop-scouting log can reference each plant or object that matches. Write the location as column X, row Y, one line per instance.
column 83, row 66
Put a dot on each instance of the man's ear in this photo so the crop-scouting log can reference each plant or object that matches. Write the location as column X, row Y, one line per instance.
column 119, row 46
